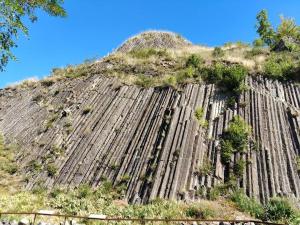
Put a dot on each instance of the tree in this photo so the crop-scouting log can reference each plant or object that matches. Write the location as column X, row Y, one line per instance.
column 12, row 15
column 264, row 28
column 288, row 28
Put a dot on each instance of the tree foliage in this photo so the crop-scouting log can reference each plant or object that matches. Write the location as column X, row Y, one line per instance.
column 264, row 28
column 287, row 28
column 12, row 16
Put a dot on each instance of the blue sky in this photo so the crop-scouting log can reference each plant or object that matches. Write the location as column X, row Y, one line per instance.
column 93, row 28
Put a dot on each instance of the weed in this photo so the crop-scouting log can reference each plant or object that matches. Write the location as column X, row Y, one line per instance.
column 230, row 102
column 246, row 204
column 51, row 120
column 279, row 209
column 125, row 179
column 194, row 61
column 51, row 169
column 115, row 166
column 239, row 167
column 280, row 66
column 170, row 81
column 35, row 166
column 145, row 81
column 194, row 212
column 206, row 168
column 227, row 151
column 84, row 191
column 298, row 162
column 218, row 52
column 86, row 110
column 199, row 112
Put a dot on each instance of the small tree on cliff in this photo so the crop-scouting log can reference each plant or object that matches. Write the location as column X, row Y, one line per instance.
column 264, row 28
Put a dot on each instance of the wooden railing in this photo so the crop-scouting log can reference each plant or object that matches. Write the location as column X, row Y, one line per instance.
column 139, row 220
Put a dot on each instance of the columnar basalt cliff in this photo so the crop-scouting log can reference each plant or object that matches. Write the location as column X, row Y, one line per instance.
column 94, row 129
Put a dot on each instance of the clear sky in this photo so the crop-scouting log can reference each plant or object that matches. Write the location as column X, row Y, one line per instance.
column 93, row 28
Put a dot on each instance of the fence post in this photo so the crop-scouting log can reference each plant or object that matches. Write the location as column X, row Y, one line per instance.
column 34, row 217
column 65, row 220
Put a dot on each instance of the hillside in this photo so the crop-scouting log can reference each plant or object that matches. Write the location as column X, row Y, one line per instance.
column 126, row 119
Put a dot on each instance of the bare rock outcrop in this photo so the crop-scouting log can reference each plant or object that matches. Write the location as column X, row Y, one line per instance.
column 154, row 39
column 94, row 129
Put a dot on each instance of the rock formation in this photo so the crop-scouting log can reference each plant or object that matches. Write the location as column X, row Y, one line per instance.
column 93, row 129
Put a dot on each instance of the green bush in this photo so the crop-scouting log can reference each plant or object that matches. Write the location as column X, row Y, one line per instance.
column 237, row 133
column 194, row 61
column 170, row 81
column 206, row 168
column 194, row 212
column 199, row 112
column 246, row 204
column 226, row 151
column 51, row 169
column 239, row 167
column 214, row 73
column 185, row 75
column 214, row 193
column 218, row 190
column 218, row 52
column 35, row 166
column 190, row 72
column 11, row 168
column 230, row 77
column 278, row 209
column 258, row 43
column 55, row 192
column 84, row 191
column 233, row 78
column 234, row 139
column 280, row 66
column 230, row 102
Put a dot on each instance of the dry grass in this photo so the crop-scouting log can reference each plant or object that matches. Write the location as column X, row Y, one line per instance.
column 127, row 67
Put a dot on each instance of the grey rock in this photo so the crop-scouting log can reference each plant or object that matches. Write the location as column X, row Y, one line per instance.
column 24, row 221
column 225, row 223
column 42, row 223
column 286, row 44
column 166, row 154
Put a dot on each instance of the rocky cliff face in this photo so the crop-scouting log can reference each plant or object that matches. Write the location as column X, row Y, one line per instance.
column 93, row 129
